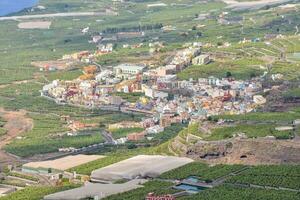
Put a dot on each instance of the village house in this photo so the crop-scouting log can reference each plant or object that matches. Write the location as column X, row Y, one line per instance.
column 201, row 60
column 104, row 48
column 128, row 70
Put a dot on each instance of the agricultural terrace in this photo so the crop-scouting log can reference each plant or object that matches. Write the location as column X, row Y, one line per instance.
column 278, row 176
column 47, row 127
column 201, row 170
column 251, row 131
column 220, row 132
column 245, row 61
column 51, row 127
column 265, row 117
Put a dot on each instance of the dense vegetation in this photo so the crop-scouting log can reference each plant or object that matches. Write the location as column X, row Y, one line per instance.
column 274, row 176
column 240, row 129
column 201, row 170
column 169, row 133
column 292, row 94
column 238, row 193
column 2, row 129
column 263, row 117
column 48, row 127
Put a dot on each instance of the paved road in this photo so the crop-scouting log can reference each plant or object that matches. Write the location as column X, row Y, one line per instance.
column 70, row 14
column 108, row 137
column 252, row 5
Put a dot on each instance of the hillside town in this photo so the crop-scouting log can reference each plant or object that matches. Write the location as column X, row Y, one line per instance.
column 162, row 96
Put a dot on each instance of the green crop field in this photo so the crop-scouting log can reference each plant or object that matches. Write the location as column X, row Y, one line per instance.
column 2, row 129
column 201, row 170
column 229, row 131
column 131, row 97
column 47, row 127
column 123, row 132
column 237, row 193
column 273, row 176
column 251, row 131
column 241, row 69
column 271, row 117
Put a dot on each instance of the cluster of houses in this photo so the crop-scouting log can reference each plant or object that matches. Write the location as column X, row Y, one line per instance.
column 69, row 61
column 163, row 97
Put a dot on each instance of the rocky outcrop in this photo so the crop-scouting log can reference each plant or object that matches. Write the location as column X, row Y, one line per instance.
column 247, row 151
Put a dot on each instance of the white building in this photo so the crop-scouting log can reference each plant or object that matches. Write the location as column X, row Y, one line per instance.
column 152, row 93
column 128, row 70
column 155, row 129
column 201, row 60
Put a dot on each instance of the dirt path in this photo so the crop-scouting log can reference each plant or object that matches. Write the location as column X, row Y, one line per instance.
column 17, row 123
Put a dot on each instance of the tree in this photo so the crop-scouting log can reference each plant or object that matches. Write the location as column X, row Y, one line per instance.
column 199, row 34
column 228, row 74
column 219, row 43
column 252, row 75
column 131, row 146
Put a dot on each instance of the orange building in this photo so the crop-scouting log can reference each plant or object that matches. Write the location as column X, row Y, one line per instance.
column 92, row 69
column 136, row 136
column 86, row 77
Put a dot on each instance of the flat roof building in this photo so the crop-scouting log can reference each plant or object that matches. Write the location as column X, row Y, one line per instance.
column 125, row 70
column 201, row 60
column 58, row 165
column 142, row 166
column 96, row 191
